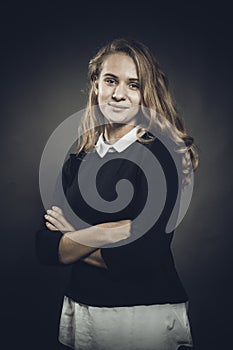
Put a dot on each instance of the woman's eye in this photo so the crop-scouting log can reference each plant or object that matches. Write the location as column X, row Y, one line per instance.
column 134, row 86
column 110, row 81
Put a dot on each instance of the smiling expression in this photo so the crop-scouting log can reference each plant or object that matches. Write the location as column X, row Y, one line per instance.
column 118, row 89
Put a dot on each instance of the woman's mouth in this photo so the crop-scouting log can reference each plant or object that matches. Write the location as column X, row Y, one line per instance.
column 118, row 107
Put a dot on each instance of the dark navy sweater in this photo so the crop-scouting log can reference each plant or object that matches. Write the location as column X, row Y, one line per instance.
column 142, row 272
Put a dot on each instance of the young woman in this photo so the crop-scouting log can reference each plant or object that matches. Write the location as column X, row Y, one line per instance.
column 124, row 290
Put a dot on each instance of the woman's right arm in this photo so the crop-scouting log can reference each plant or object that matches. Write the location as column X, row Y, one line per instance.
column 53, row 246
column 76, row 245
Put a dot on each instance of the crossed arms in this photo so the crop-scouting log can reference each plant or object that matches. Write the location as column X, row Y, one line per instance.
column 84, row 243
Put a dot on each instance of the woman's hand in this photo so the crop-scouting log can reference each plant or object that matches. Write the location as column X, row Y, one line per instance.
column 55, row 220
column 94, row 236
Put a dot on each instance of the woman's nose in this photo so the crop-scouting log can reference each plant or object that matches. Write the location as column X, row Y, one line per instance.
column 119, row 92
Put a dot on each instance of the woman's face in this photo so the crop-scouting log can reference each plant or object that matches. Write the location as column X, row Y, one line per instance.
column 118, row 89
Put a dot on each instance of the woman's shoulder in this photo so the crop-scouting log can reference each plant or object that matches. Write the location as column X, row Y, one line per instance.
column 160, row 143
column 71, row 165
column 163, row 148
column 149, row 140
column 73, row 158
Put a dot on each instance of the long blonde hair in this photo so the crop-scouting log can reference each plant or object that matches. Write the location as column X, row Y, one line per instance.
column 156, row 98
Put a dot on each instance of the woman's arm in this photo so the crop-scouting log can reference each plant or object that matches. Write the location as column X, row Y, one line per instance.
column 95, row 259
column 70, row 251
column 79, row 244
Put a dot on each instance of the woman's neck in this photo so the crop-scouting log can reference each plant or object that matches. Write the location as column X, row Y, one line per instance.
column 114, row 132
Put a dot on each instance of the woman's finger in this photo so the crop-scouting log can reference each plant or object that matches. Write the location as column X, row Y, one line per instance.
column 54, row 222
column 51, row 227
column 57, row 209
column 57, row 216
column 57, row 213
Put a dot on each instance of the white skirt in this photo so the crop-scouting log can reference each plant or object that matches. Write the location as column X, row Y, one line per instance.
column 143, row 327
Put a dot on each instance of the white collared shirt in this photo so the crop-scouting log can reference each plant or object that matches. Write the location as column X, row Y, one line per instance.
column 119, row 146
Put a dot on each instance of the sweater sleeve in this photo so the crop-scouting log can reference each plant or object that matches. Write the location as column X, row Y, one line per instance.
column 46, row 241
column 47, row 245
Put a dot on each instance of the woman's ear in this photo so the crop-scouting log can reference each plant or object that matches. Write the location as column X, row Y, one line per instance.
column 95, row 84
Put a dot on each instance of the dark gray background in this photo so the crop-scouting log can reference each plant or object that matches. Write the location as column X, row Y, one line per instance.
column 44, row 52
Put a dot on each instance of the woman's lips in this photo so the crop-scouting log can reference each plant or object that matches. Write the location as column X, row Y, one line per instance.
column 118, row 107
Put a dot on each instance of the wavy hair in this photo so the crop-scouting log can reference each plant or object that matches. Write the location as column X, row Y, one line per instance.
column 156, row 99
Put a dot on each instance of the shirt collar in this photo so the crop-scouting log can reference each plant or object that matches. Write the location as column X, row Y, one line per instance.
column 124, row 142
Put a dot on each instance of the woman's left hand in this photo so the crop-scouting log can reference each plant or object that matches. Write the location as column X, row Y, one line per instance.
column 55, row 220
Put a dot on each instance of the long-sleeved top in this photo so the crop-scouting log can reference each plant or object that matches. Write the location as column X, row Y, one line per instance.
column 141, row 272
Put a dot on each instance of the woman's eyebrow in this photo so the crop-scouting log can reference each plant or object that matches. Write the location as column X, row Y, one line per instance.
column 111, row 75
column 116, row 77
column 133, row 79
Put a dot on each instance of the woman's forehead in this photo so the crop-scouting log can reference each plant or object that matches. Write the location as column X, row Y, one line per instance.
column 119, row 64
